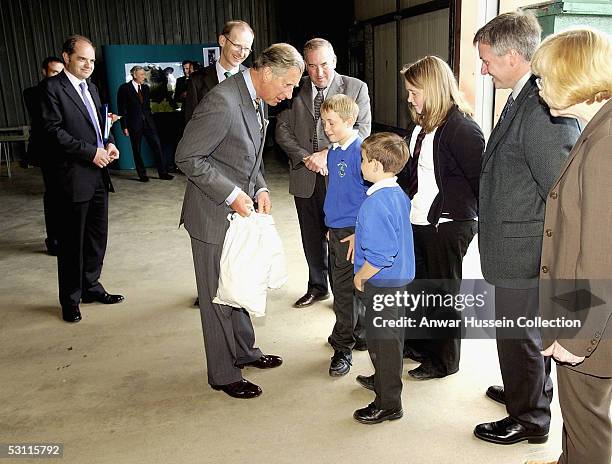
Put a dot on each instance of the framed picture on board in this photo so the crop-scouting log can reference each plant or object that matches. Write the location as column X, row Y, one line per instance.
column 210, row 55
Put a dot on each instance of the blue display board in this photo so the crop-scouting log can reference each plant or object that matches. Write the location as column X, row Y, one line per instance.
column 118, row 60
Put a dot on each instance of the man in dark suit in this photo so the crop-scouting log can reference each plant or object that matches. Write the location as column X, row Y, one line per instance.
column 299, row 132
column 134, row 105
column 79, row 156
column 235, row 40
column 50, row 66
column 180, row 91
column 524, row 155
column 221, row 155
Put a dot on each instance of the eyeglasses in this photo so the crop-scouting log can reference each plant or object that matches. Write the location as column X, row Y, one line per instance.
column 239, row 47
column 539, row 83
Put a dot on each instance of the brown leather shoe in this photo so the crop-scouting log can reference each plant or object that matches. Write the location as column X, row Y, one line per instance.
column 242, row 389
column 267, row 361
column 310, row 298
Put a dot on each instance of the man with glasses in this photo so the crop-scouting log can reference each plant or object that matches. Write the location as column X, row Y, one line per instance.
column 236, row 41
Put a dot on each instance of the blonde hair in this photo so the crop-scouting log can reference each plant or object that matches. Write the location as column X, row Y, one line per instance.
column 387, row 148
column 345, row 106
column 575, row 67
column 440, row 91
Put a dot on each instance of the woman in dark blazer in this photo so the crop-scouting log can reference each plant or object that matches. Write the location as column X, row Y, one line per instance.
column 575, row 69
column 441, row 178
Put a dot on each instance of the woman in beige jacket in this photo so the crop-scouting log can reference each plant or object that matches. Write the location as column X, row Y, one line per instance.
column 575, row 69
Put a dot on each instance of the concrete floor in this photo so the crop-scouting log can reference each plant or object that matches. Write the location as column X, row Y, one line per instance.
column 128, row 383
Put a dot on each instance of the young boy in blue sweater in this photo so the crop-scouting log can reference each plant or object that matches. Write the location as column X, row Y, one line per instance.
column 384, row 265
column 346, row 191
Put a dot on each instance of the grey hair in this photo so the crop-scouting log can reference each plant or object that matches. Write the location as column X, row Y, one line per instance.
column 518, row 31
column 134, row 69
column 316, row 43
column 279, row 57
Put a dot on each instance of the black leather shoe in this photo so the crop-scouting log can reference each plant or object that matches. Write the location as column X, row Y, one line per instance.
column 371, row 415
column 507, row 432
column 267, row 361
column 496, row 393
column 340, row 364
column 241, row 389
column 361, row 345
column 143, row 179
column 166, row 176
column 310, row 298
column 366, row 381
column 414, row 355
column 425, row 373
column 104, row 298
column 71, row 313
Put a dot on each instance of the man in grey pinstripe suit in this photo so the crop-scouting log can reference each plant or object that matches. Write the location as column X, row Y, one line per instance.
column 299, row 132
column 524, row 155
column 221, row 155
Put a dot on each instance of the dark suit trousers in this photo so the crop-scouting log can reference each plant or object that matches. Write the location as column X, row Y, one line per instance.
column 150, row 134
column 385, row 345
column 439, row 253
column 349, row 324
column 51, row 199
column 585, row 406
column 229, row 337
column 313, row 230
column 81, row 245
column 525, row 372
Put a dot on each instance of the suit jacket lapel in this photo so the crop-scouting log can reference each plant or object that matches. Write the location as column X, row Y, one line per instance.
column 74, row 96
column 249, row 113
column 306, row 95
column 502, row 126
column 336, row 86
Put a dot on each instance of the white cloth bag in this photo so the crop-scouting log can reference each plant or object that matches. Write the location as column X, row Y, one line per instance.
column 252, row 260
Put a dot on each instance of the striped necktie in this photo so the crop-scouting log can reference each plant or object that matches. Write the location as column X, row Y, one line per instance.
column 317, row 115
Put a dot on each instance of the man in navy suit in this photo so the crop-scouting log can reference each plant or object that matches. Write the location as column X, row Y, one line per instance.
column 133, row 101
column 79, row 156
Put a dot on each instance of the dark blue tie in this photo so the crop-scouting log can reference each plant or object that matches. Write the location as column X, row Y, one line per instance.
column 92, row 114
column 507, row 107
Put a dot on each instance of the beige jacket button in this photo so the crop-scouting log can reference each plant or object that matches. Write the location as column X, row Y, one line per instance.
column 554, row 195
column 544, row 269
column 548, row 233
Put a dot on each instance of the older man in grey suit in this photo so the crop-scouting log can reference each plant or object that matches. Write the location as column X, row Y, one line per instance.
column 299, row 132
column 524, row 155
column 221, row 154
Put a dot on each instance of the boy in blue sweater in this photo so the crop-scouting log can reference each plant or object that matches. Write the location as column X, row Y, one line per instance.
column 346, row 191
column 384, row 265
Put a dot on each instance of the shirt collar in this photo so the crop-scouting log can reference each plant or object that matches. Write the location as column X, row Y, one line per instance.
column 75, row 81
column 519, row 85
column 221, row 70
column 389, row 182
column 351, row 139
column 249, row 83
column 135, row 85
